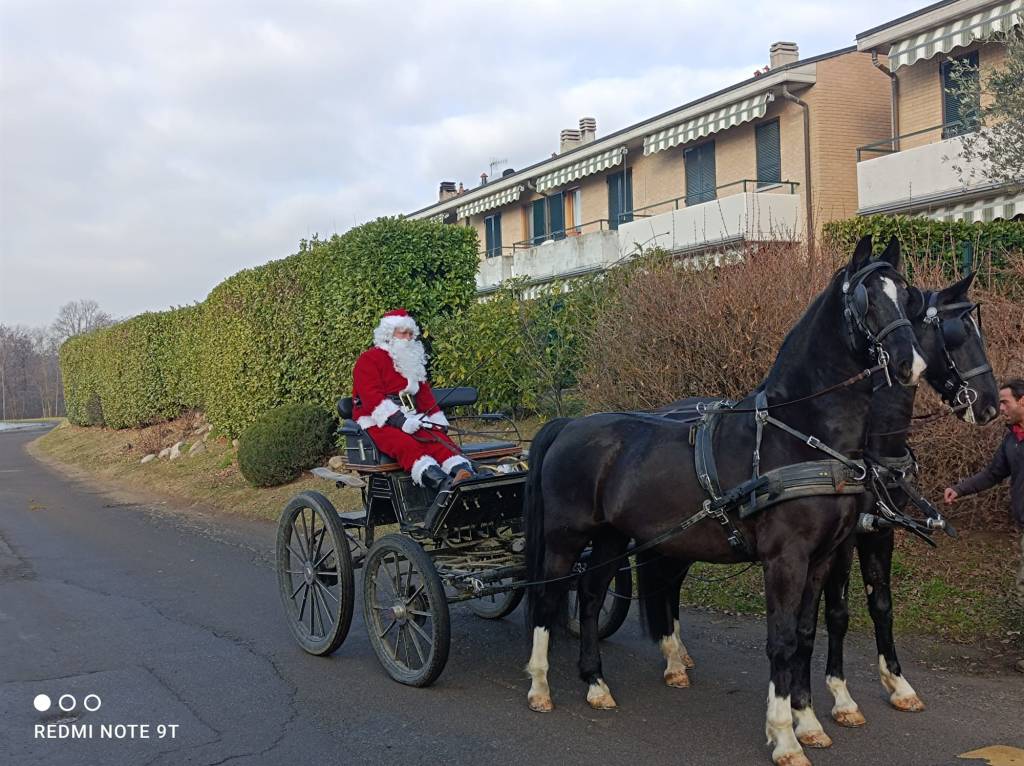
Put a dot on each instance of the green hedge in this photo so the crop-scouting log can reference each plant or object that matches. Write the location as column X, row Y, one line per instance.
column 286, row 331
column 941, row 240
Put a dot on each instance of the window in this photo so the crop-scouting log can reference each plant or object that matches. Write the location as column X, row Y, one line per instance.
column 492, row 232
column 547, row 218
column 769, row 155
column 957, row 119
column 620, row 198
column 575, row 215
column 700, row 173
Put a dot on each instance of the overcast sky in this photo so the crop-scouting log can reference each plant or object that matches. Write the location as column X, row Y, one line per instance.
column 148, row 150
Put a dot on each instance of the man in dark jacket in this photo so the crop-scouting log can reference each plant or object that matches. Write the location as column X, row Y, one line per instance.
column 1007, row 462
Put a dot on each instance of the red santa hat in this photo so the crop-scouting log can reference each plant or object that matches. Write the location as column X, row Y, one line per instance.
column 391, row 321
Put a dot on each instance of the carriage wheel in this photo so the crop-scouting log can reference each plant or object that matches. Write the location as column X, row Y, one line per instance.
column 406, row 611
column 314, row 573
column 613, row 610
column 497, row 605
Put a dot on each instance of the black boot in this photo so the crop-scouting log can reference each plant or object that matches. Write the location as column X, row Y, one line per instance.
column 435, row 479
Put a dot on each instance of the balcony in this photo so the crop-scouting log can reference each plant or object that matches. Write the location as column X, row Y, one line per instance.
column 915, row 172
column 579, row 250
column 750, row 214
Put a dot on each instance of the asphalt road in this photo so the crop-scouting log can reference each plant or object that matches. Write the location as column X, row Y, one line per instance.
column 171, row 617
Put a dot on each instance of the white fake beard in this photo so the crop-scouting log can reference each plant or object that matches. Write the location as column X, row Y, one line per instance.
column 410, row 359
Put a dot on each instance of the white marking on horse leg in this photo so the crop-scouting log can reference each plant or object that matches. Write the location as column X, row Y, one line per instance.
column 600, row 696
column 809, row 731
column 869, row 589
column 675, row 669
column 539, row 695
column 901, row 694
column 845, row 711
column 778, row 727
column 687, row 659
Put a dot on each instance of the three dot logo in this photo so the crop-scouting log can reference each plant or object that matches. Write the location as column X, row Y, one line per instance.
column 67, row 702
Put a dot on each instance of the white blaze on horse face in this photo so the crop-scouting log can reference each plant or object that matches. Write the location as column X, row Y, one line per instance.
column 919, row 364
column 539, row 695
column 778, row 726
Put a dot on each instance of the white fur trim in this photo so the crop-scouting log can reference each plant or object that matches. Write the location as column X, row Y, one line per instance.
column 411, row 386
column 438, row 419
column 385, row 331
column 382, row 412
column 421, row 464
column 453, row 461
column 365, row 422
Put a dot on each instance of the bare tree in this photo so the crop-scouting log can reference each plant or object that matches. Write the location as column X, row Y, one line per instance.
column 78, row 317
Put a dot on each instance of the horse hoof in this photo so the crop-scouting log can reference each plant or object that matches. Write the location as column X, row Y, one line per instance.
column 793, row 759
column 601, row 702
column 815, row 739
column 540, row 704
column 909, row 704
column 851, row 718
column 677, row 679
column 688, row 662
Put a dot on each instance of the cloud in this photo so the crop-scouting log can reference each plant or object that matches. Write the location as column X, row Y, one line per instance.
column 151, row 150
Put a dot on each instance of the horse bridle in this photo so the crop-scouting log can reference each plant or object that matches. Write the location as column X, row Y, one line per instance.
column 855, row 309
column 959, row 382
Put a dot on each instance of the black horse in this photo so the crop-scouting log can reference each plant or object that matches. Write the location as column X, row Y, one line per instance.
column 609, row 478
column 958, row 369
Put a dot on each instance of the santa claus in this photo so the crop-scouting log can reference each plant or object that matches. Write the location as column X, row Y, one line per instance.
column 393, row 403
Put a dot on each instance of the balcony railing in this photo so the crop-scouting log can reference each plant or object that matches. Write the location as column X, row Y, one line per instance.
column 747, row 184
column 598, row 224
column 891, row 145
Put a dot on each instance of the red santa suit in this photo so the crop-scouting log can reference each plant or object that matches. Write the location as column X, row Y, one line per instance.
column 388, row 369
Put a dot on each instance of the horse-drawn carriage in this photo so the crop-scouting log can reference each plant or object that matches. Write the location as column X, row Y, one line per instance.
column 465, row 544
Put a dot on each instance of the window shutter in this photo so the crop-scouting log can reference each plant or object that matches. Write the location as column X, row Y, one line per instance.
column 556, row 214
column 769, row 157
column 539, row 222
column 700, row 173
column 627, row 206
column 952, row 111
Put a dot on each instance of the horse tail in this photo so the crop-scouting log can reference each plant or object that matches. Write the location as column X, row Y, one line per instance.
column 533, row 513
column 655, row 588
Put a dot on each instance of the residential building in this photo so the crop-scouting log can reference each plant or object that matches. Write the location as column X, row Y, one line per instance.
column 769, row 158
column 917, row 169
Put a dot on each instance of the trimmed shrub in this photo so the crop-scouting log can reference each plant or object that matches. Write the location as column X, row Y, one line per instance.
column 959, row 245
column 284, row 442
column 283, row 332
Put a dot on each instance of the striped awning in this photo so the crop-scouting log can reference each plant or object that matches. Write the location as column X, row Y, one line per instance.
column 708, row 123
column 1005, row 207
column 942, row 39
column 490, row 202
column 593, row 164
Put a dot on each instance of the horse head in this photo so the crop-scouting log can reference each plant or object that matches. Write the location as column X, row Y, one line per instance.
column 875, row 307
column 948, row 327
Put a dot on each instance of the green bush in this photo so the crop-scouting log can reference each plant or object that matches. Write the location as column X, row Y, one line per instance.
column 284, row 442
column 283, row 332
column 959, row 245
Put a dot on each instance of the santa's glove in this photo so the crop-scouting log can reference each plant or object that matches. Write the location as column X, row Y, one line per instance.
column 412, row 423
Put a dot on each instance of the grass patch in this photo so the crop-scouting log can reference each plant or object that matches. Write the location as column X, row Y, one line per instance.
column 210, row 478
column 961, row 591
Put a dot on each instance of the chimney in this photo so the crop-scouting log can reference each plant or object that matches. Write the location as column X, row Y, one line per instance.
column 781, row 54
column 483, row 179
column 568, row 139
column 447, row 191
column 588, row 129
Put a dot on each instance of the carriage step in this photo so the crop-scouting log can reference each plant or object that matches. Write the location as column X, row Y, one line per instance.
column 353, row 518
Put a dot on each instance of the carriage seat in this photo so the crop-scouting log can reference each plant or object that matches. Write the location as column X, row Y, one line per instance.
column 362, row 454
